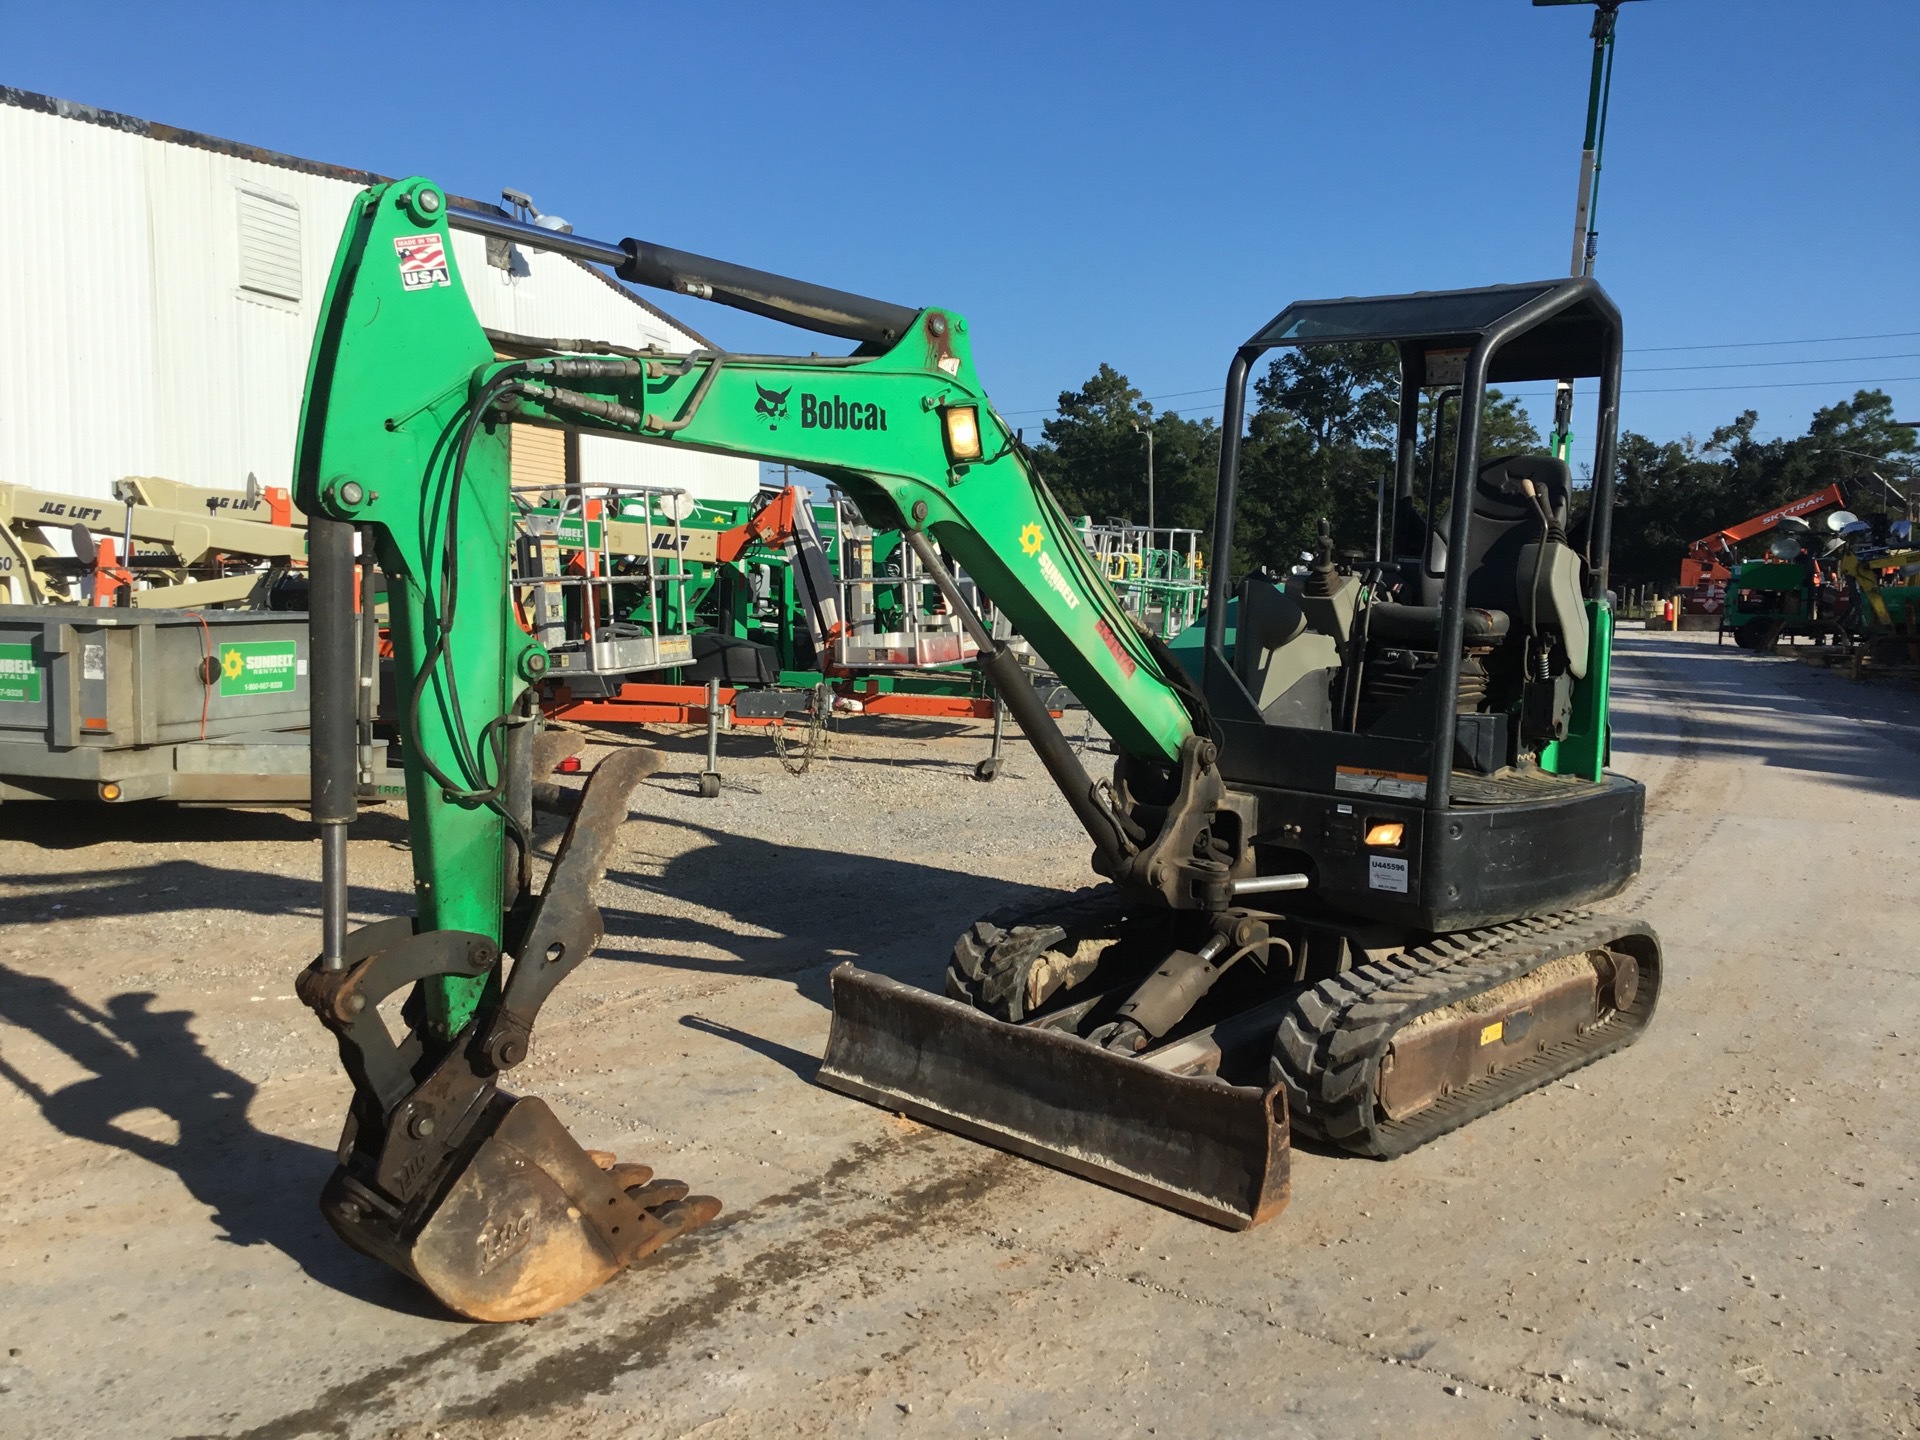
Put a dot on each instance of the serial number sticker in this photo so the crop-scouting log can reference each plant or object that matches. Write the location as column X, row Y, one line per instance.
column 1445, row 367
column 1491, row 1033
column 1384, row 872
column 93, row 662
column 1396, row 783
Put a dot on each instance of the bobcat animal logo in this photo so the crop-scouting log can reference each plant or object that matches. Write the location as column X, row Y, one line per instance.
column 772, row 404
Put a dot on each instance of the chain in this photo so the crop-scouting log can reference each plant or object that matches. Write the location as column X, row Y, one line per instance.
column 818, row 742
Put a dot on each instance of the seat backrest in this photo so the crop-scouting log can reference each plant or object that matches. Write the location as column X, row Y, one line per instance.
column 1505, row 520
column 1421, row 576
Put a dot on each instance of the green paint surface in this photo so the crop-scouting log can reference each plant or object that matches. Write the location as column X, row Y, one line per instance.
column 1585, row 750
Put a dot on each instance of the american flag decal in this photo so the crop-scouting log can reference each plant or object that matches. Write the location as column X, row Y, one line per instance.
column 423, row 261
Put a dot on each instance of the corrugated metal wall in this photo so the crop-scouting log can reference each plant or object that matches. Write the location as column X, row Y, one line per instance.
column 157, row 302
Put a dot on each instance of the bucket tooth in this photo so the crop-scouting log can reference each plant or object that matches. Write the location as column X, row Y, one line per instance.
column 530, row 1221
column 1194, row 1144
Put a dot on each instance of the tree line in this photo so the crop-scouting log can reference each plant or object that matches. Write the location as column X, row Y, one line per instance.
column 1320, row 436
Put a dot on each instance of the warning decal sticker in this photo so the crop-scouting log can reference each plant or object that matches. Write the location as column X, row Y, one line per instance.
column 423, row 261
column 1396, row 783
column 1115, row 648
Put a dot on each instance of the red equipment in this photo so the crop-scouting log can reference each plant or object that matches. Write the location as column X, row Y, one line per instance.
column 1707, row 557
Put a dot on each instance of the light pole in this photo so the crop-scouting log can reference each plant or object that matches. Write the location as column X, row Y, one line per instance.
column 1906, row 501
column 1586, row 234
column 1147, row 430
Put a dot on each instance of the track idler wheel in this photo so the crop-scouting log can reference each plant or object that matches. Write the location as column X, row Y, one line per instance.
column 529, row 1221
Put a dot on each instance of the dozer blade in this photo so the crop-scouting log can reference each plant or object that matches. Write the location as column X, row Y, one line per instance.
column 530, row 1221
column 1197, row 1145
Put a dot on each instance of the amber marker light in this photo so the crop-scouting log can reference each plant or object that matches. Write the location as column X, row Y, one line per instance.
column 1385, row 835
column 963, row 432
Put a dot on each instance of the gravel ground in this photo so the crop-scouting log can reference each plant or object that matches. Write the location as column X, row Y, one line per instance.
column 1713, row 1233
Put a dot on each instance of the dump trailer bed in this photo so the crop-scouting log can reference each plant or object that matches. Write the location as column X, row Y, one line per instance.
column 121, row 704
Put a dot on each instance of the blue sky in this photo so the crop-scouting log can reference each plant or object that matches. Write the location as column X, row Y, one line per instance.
column 1137, row 184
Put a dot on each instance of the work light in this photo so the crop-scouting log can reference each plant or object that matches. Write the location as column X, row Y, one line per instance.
column 963, row 432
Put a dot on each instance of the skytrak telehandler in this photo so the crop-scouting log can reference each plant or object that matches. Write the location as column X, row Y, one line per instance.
column 1345, row 859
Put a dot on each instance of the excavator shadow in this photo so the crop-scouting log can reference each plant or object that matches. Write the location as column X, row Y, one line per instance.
column 75, row 827
column 259, row 1186
column 788, row 912
column 799, row 1062
column 175, row 886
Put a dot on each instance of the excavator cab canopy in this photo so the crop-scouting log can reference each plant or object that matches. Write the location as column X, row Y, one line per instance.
column 1465, row 665
column 1452, row 344
column 1546, row 330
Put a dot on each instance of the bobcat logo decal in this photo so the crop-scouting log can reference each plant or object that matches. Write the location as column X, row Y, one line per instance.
column 772, row 404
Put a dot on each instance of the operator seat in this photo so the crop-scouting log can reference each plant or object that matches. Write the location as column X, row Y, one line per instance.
column 1503, row 524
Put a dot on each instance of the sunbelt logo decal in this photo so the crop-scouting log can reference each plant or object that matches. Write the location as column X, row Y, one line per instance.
column 264, row 667
column 19, row 675
column 1033, row 541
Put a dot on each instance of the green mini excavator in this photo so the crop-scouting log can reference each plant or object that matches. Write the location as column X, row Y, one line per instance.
column 1347, row 845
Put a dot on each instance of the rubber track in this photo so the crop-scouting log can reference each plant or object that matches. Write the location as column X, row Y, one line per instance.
column 1331, row 1043
column 986, row 971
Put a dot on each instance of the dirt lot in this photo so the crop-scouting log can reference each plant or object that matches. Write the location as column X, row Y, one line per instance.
column 1713, row 1233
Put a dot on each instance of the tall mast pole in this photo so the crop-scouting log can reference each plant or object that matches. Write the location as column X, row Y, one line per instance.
column 1586, row 234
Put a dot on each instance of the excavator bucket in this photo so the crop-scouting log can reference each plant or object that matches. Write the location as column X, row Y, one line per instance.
column 530, row 1222
column 482, row 1196
column 1190, row 1142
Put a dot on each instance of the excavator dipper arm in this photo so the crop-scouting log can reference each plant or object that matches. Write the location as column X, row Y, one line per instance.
column 480, row 1195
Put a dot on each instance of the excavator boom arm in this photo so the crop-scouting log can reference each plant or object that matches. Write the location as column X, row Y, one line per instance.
column 908, row 433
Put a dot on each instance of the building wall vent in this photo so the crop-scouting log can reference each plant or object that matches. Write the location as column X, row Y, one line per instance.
column 269, row 244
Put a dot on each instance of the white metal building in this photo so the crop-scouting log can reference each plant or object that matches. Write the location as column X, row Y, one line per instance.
column 158, row 296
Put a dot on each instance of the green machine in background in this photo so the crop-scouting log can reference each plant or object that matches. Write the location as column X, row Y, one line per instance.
column 778, row 593
column 1791, row 590
column 1768, row 600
